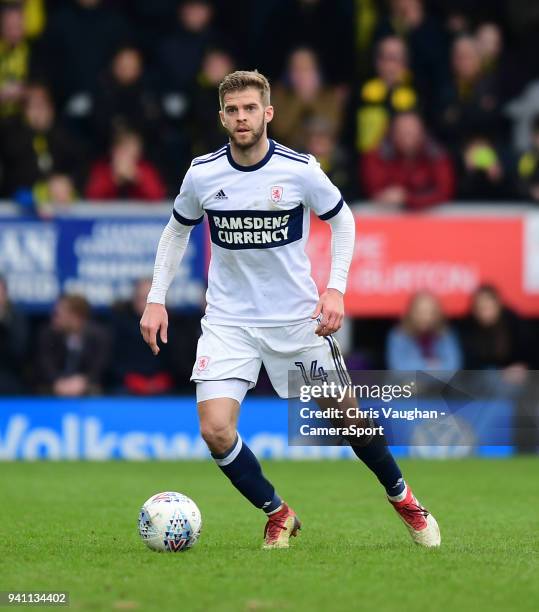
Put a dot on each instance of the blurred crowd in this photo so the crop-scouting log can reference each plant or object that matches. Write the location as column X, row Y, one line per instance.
column 406, row 103
column 73, row 352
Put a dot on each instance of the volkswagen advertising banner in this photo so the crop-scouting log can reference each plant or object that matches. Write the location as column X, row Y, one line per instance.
column 132, row 429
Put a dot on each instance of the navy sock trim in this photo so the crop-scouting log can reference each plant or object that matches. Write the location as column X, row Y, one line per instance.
column 378, row 458
column 243, row 470
column 275, row 503
column 233, row 450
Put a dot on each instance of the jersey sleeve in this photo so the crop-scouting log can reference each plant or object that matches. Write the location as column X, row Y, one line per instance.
column 187, row 209
column 321, row 195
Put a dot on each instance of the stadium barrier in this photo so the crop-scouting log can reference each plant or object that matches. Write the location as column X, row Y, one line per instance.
column 95, row 251
column 99, row 250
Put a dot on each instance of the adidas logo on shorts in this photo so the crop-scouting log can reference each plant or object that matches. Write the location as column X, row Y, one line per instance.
column 221, row 195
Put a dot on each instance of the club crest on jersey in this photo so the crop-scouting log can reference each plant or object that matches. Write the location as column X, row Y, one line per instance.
column 276, row 193
column 202, row 363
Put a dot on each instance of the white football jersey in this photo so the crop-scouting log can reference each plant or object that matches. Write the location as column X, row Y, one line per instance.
column 259, row 274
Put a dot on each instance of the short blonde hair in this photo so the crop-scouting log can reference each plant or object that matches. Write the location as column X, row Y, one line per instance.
column 242, row 79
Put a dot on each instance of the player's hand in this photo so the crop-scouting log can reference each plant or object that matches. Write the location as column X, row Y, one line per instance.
column 330, row 308
column 154, row 320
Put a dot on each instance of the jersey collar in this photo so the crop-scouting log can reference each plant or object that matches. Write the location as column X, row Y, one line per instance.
column 256, row 166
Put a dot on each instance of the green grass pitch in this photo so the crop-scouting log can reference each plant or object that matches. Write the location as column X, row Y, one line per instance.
column 72, row 527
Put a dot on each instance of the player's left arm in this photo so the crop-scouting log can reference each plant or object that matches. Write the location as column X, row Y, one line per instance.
column 326, row 202
column 330, row 307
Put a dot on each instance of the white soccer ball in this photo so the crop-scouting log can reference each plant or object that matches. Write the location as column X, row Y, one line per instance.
column 169, row 522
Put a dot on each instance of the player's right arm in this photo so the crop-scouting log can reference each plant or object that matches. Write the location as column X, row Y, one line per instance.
column 186, row 213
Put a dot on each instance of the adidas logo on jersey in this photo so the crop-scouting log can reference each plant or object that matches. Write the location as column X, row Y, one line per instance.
column 221, row 195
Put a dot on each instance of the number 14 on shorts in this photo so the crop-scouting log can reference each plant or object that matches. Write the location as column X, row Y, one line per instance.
column 317, row 373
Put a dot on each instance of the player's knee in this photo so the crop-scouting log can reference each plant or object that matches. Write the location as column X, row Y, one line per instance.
column 219, row 437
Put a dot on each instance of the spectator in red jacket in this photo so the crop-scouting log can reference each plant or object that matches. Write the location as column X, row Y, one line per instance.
column 408, row 170
column 125, row 174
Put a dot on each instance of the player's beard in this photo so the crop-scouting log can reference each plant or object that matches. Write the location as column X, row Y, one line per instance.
column 256, row 135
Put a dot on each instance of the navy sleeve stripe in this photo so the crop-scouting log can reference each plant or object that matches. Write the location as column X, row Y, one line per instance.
column 184, row 220
column 331, row 213
column 290, row 152
column 298, row 159
column 207, row 161
column 209, row 155
column 279, row 147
